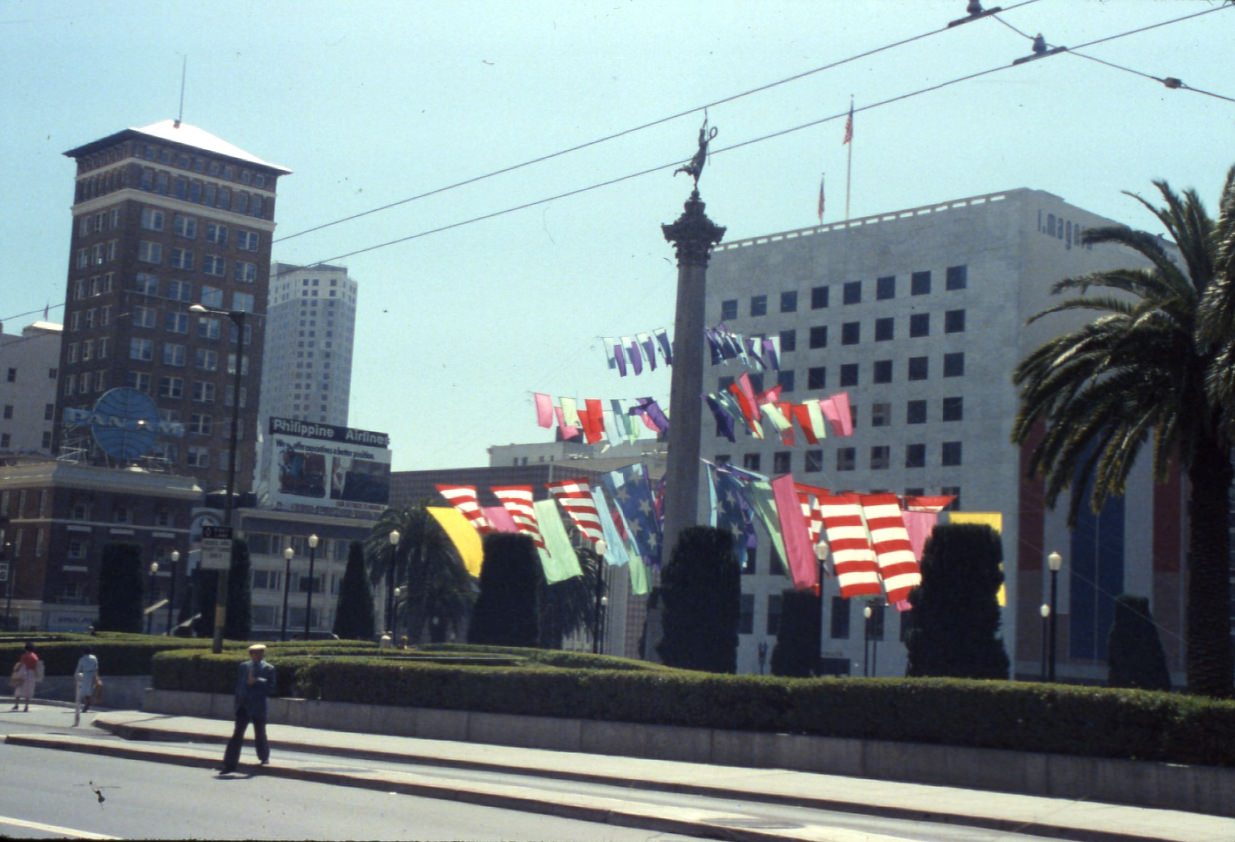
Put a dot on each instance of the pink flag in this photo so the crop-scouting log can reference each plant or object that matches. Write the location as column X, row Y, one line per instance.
column 897, row 565
column 853, row 558
column 499, row 518
column 463, row 498
column 919, row 525
column 800, row 552
column 568, row 432
column 544, row 409
column 836, row 410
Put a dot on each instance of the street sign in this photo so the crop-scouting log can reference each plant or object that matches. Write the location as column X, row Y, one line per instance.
column 216, row 547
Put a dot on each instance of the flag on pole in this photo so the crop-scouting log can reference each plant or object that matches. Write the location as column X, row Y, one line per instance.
column 45, row 306
column 849, row 126
column 821, row 198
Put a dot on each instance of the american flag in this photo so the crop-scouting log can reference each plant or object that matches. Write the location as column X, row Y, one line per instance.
column 853, row 557
column 463, row 498
column 575, row 497
column 518, row 501
column 821, row 198
column 733, row 511
column 848, row 127
column 897, row 565
column 632, row 492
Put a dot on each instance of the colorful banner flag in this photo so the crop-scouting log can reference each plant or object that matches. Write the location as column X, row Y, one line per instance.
column 853, row 558
column 544, row 409
column 733, row 511
column 632, row 492
column 799, row 550
column 820, row 209
column 466, row 539
column 557, row 556
column 517, row 499
column 897, row 566
column 575, row 498
column 464, row 498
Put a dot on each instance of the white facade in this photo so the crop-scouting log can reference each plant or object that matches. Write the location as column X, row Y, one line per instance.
column 310, row 330
column 920, row 316
column 28, row 368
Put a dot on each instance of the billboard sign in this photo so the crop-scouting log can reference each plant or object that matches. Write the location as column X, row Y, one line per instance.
column 321, row 467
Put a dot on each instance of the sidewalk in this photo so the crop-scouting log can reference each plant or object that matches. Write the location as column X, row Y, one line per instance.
column 180, row 739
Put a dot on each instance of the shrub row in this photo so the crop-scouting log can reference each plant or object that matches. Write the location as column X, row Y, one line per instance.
column 1018, row 716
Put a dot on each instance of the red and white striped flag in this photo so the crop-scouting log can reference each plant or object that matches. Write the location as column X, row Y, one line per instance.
column 897, row 565
column 848, row 127
column 853, row 558
column 575, row 497
column 808, row 496
column 517, row 499
column 463, row 498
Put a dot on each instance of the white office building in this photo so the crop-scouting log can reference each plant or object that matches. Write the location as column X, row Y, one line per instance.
column 28, row 376
column 310, row 330
column 920, row 316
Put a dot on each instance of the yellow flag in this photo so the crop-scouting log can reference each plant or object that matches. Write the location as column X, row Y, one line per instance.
column 462, row 534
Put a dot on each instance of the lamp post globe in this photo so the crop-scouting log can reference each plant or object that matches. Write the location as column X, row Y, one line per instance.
column 288, row 553
column 390, row 583
column 154, row 570
column 171, row 596
column 308, row 609
column 1054, row 561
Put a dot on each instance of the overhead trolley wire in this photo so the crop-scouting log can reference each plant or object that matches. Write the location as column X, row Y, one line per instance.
column 723, row 100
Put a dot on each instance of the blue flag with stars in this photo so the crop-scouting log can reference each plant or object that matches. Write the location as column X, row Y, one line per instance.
column 733, row 511
column 632, row 492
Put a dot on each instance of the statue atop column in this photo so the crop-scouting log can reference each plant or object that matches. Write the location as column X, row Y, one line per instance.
column 694, row 167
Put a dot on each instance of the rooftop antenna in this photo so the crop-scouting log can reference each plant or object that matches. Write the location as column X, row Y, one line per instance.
column 184, row 64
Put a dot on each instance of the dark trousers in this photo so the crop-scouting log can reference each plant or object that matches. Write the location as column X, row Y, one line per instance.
column 231, row 757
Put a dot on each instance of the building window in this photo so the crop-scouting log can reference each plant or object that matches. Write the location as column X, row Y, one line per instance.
column 789, row 301
column 245, row 272
column 885, row 287
column 141, row 349
column 171, row 387
column 176, row 322
column 788, row 340
column 201, row 424
column 814, row 462
column 247, row 240
column 213, row 264
column 746, row 614
column 818, row 297
column 175, row 354
column 954, row 364
column 750, row 461
column 884, row 329
column 729, row 309
column 846, row 457
column 849, row 374
column 212, row 296
column 953, row 409
column 915, row 455
column 957, row 277
column 198, row 457
column 149, row 252
column 758, row 305
column 916, row 412
column 206, row 359
column 819, row 336
column 139, row 380
column 851, row 292
column 920, row 325
column 920, row 283
column 883, row 371
column 773, row 613
column 817, row 377
column 144, row 316
column 951, row 453
column 216, row 234
column 840, row 618
column 185, row 226
column 203, row 392
column 881, row 455
column 851, row 333
column 151, row 219
column 919, row 368
column 207, row 328
column 781, row 462
column 181, row 259
column 179, row 291
column 954, row 321
column 784, row 378
column 881, row 414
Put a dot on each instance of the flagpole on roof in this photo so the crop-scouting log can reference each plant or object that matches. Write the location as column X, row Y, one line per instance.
column 848, row 141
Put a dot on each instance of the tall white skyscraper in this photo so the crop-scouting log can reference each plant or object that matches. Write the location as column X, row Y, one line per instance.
column 310, row 328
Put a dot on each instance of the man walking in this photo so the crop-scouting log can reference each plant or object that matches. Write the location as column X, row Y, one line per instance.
column 255, row 681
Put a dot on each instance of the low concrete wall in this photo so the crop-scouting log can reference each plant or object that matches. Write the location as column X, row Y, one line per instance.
column 1197, row 789
column 119, row 691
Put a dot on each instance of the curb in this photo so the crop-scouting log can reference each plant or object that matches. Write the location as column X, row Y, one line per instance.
column 139, row 733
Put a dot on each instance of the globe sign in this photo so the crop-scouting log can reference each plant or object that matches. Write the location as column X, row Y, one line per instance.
column 124, row 422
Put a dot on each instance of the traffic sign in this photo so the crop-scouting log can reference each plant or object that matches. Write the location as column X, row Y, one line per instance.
column 216, row 547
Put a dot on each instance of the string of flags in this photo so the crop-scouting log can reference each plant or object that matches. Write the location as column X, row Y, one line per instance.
column 740, row 402
column 630, row 353
column 589, row 419
column 757, row 351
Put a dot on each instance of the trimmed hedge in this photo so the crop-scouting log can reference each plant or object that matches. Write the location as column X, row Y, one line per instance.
column 1019, row 716
column 118, row 653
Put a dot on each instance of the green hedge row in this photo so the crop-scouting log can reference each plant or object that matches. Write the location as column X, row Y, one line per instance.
column 1019, row 716
column 118, row 654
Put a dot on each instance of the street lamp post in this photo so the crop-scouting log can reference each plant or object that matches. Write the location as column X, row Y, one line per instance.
column 390, row 584
column 220, row 597
column 154, row 570
column 821, row 553
column 308, row 609
column 171, row 596
column 1045, row 611
column 601, row 548
column 287, row 581
column 866, row 641
column 1054, row 561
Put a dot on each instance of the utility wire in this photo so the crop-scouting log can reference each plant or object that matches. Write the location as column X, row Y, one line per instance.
column 624, row 132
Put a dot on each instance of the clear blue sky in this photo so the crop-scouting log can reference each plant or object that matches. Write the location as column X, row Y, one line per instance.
column 372, row 102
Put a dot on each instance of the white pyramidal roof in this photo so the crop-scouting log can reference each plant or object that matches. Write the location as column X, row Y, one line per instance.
column 181, row 132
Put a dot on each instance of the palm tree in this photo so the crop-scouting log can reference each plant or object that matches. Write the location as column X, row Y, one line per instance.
column 435, row 587
column 570, row 606
column 1140, row 368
